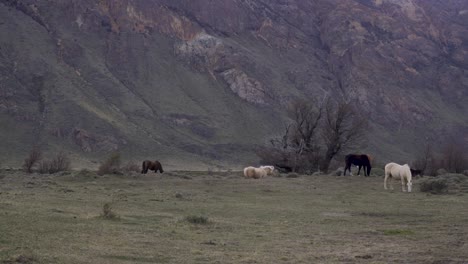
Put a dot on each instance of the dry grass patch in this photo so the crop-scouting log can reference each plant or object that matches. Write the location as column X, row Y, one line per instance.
column 398, row 232
column 228, row 219
column 197, row 219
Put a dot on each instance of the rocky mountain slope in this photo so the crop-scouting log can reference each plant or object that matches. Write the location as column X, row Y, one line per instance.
column 197, row 83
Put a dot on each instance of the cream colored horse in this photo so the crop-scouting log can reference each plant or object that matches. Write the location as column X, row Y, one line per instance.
column 269, row 169
column 256, row 173
column 396, row 171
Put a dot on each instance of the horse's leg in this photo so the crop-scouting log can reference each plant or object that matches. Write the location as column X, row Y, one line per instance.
column 346, row 168
column 359, row 171
column 388, row 177
column 403, row 189
column 385, row 181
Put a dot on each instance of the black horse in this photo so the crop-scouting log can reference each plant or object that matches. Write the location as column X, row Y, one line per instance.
column 415, row 172
column 360, row 160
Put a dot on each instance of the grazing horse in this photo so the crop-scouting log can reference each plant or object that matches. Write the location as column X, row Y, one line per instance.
column 150, row 165
column 269, row 169
column 396, row 171
column 256, row 173
column 361, row 160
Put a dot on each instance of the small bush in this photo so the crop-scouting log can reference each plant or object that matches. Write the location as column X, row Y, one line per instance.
column 198, row 220
column 35, row 155
column 61, row 162
column 44, row 167
column 434, row 186
column 131, row 167
column 111, row 165
column 107, row 212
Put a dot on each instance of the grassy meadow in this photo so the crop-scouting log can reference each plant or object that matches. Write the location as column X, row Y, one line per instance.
column 221, row 217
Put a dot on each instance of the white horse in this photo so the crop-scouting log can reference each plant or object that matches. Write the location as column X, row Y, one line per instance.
column 397, row 171
column 252, row 172
column 269, row 169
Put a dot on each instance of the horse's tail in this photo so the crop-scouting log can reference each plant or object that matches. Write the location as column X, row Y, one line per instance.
column 368, row 164
column 158, row 166
column 347, row 164
column 143, row 167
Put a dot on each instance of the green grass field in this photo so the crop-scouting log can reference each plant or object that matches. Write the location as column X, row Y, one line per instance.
column 220, row 217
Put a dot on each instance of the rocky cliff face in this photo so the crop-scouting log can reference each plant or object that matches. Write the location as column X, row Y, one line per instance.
column 204, row 80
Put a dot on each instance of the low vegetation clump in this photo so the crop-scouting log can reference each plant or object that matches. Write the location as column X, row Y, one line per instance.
column 59, row 163
column 434, row 186
column 85, row 173
column 108, row 212
column 35, row 155
column 198, row 220
column 131, row 167
column 396, row 232
column 111, row 165
column 445, row 184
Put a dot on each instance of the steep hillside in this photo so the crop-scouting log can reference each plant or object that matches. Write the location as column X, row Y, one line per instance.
column 196, row 83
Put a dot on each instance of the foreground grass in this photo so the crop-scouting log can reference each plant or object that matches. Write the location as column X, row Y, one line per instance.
column 193, row 217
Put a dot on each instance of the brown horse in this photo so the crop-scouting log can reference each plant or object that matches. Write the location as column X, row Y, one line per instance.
column 150, row 165
column 360, row 160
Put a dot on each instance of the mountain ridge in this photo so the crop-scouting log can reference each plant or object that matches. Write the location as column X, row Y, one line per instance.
column 207, row 82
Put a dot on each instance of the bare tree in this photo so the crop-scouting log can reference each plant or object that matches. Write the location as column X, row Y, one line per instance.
column 283, row 141
column 296, row 149
column 425, row 160
column 453, row 157
column 344, row 127
column 306, row 119
column 35, row 155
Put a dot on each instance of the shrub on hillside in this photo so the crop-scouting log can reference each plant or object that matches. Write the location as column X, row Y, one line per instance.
column 61, row 162
column 35, row 155
column 131, row 167
column 111, row 165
